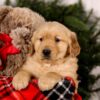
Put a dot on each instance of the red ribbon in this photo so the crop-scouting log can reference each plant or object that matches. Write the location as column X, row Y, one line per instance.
column 7, row 48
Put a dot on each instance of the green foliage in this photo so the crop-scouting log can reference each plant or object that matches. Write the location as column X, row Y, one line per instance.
column 76, row 19
column 75, row 23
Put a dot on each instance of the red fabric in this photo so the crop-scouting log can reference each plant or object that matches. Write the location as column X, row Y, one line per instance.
column 1, row 67
column 70, row 79
column 7, row 48
column 7, row 92
column 32, row 92
column 77, row 97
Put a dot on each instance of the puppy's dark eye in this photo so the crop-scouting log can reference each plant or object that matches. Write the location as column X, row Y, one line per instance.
column 41, row 39
column 57, row 40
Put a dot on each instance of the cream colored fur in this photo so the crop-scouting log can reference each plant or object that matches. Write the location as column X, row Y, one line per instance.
column 51, row 71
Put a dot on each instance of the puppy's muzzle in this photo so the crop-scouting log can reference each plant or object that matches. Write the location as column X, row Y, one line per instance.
column 46, row 53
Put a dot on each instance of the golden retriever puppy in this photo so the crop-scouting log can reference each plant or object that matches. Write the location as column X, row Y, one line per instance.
column 55, row 48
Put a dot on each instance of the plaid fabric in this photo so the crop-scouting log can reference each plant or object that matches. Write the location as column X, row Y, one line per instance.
column 64, row 90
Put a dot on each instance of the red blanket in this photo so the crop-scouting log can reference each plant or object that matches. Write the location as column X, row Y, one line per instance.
column 64, row 90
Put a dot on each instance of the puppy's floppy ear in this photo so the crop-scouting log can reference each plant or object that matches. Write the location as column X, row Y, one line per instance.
column 74, row 48
column 4, row 10
column 32, row 50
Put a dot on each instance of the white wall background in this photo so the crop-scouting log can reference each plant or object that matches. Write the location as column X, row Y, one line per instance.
column 88, row 5
column 3, row 1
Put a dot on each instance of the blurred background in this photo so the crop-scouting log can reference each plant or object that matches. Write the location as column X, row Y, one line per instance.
column 83, row 17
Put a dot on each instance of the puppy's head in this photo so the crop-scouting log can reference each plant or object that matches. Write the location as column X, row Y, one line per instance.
column 53, row 41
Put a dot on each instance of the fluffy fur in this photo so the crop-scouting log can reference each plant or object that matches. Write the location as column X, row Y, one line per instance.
column 19, row 23
column 62, row 61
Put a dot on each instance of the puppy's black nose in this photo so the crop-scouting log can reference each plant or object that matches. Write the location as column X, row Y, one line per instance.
column 46, row 52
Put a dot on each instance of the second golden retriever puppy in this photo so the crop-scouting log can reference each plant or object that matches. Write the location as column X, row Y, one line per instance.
column 55, row 49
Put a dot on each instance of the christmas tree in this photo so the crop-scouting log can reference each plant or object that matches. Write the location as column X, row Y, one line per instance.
column 74, row 17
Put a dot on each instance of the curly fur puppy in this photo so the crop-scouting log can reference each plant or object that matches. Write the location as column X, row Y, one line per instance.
column 19, row 23
column 55, row 48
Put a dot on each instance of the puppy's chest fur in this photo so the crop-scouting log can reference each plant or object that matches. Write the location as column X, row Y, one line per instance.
column 68, row 68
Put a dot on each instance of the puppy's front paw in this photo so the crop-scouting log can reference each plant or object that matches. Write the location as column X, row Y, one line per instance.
column 47, row 82
column 20, row 81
